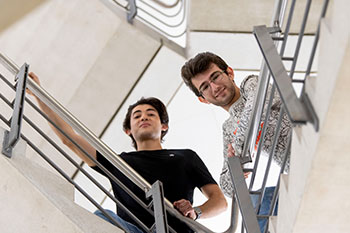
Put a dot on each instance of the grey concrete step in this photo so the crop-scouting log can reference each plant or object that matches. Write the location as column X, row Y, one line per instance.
column 36, row 200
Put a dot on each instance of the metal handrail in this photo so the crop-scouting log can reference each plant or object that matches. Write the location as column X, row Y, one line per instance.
column 264, row 78
column 72, row 161
column 162, row 13
column 163, row 4
column 111, row 156
column 299, row 110
column 149, row 28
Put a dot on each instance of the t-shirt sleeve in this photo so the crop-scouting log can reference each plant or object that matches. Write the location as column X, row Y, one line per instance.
column 104, row 162
column 200, row 172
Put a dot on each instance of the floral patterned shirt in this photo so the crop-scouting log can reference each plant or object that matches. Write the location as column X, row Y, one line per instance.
column 235, row 126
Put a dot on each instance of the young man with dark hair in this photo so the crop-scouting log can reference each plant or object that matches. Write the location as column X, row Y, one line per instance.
column 212, row 81
column 180, row 171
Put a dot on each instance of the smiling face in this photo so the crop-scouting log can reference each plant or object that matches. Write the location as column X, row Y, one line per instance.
column 222, row 92
column 145, row 123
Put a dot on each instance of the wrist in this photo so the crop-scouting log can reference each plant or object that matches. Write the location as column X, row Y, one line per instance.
column 198, row 212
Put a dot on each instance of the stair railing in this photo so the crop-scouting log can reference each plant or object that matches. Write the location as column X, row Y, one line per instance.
column 298, row 109
column 156, row 207
column 164, row 22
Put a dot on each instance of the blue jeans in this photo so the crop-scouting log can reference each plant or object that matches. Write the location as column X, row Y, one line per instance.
column 265, row 206
column 131, row 228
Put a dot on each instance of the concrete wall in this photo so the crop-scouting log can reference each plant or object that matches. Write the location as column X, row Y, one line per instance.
column 242, row 16
column 13, row 10
column 314, row 196
column 86, row 57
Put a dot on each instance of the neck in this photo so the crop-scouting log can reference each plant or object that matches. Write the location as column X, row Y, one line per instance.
column 149, row 145
column 234, row 99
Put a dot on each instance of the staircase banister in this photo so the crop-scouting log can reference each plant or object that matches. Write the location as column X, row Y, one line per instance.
column 108, row 153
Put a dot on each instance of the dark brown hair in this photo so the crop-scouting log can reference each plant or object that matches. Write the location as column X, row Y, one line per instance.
column 154, row 102
column 199, row 64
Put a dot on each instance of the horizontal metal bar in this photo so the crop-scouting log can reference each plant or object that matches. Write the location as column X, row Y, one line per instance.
column 298, row 81
column 255, row 192
column 288, row 58
column 295, row 109
column 277, row 38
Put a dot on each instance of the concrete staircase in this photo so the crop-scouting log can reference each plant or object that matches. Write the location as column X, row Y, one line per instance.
column 36, row 200
column 314, row 196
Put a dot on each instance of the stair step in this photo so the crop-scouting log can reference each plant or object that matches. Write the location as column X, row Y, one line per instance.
column 36, row 200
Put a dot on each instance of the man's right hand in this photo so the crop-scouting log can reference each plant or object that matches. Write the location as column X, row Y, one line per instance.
column 35, row 79
column 231, row 153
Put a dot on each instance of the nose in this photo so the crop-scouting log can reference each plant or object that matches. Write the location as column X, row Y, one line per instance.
column 215, row 87
column 144, row 117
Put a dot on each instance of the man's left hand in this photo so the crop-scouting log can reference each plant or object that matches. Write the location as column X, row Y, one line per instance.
column 185, row 208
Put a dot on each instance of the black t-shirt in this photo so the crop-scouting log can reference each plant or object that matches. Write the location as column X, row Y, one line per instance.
column 180, row 171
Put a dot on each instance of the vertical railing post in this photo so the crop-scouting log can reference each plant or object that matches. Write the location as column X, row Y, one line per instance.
column 159, row 207
column 132, row 11
column 249, row 218
column 11, row 137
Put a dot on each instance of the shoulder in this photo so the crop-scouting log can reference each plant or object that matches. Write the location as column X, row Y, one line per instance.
column 249, row 84
column 186, row 152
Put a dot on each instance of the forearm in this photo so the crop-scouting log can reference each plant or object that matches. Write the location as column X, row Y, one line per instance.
column 58, row 121
column 68, row 130
column 215, row 204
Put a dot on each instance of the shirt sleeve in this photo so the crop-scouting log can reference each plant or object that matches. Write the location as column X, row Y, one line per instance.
column 104, row 162
column 200, row 172
column 225, row 178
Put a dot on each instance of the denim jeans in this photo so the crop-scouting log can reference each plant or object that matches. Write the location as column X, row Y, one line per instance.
column 131, row 228
column 265, row 206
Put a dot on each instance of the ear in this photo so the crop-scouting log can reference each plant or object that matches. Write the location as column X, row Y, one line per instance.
column 230, row 72
column 201, row 99
column 165, row 127
column 128, row 132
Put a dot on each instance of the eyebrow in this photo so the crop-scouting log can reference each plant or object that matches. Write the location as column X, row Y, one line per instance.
column 147, row 110
column 212, row 74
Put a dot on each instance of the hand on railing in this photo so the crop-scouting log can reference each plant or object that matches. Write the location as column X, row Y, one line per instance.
column 65, row 128
column 231, row 153
column 35, row 78
column 185, row 208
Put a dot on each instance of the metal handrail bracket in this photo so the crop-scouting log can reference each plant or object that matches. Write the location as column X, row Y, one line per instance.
column 297, row 110
column 11, row 137
column 157, row 195
column 132, row 11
